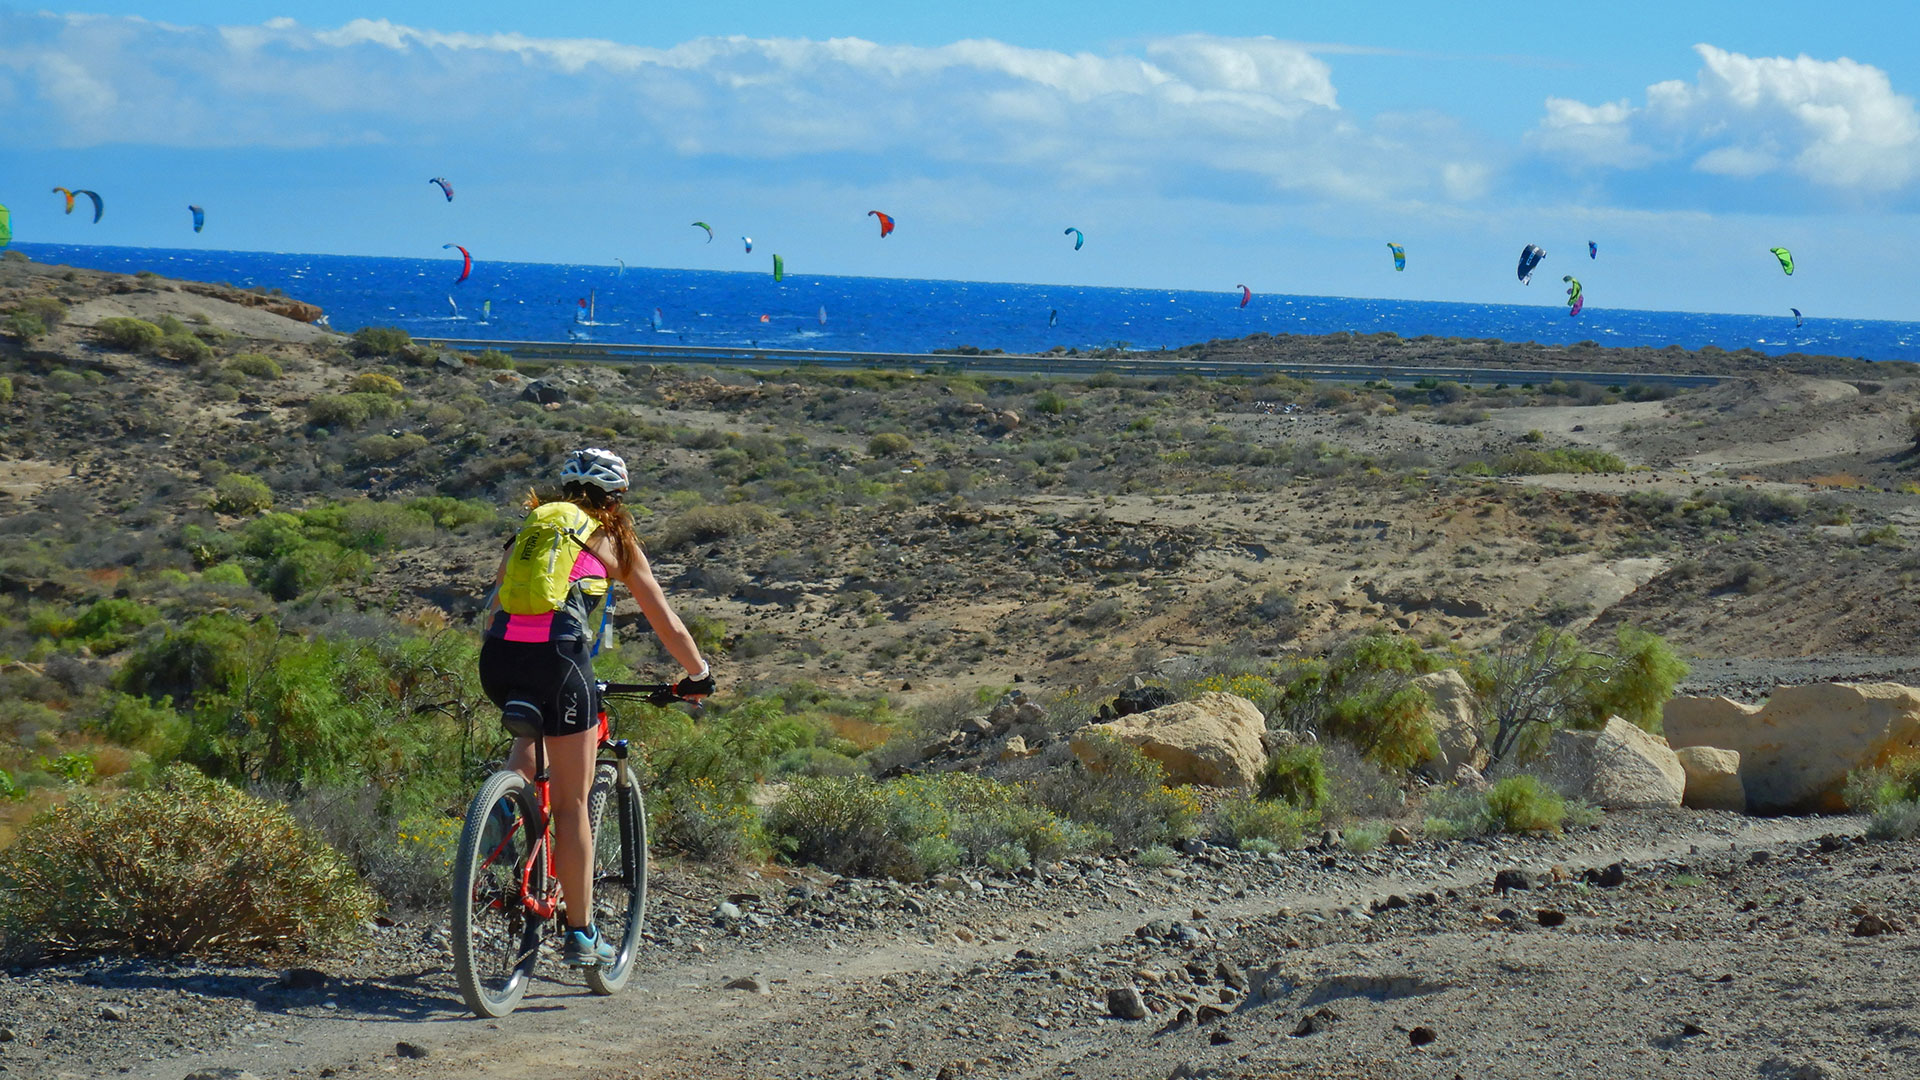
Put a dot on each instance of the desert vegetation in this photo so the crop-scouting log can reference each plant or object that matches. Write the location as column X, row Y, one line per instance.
column 254, row 577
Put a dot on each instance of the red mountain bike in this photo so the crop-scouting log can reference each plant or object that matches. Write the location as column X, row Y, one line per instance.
column 506, row 896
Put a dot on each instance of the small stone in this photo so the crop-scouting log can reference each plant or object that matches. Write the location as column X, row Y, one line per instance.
column 753, row 984
column 1220, row 1038
column 1612, row 877
column 410, row 1050
column 728, row 911
column 1507, row 880
column 1316, row 1021
column 1871, row 925
column 113, row 1012
column 1125, row 1003
column 1398, row 836
column 1549, row 917
column 1422, row 1035
column 1688, row 1029
column 7, row 1035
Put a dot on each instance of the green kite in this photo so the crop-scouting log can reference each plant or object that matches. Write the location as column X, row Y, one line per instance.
column 1786, row 259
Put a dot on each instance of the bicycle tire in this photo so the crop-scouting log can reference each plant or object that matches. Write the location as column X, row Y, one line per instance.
column 496, row 940
column 618, row 810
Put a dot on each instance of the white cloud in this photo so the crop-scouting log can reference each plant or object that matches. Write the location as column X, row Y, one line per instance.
column 1214, row 112
column 1836, row 123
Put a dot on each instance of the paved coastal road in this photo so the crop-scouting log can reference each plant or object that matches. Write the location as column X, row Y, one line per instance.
column 1055, row 364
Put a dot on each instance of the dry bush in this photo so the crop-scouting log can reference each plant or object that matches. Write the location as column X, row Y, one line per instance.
column 190, row 865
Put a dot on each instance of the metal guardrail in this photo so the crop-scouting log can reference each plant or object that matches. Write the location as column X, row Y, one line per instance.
column 1048, row 364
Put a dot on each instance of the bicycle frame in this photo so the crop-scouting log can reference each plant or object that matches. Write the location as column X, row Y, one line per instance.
column 544, row 903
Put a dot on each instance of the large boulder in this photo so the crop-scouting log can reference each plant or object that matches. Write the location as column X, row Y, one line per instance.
column 1796, row 751
column 1713, row 778
column 1456, row 730
column 1619, row 767
column 1213, row 740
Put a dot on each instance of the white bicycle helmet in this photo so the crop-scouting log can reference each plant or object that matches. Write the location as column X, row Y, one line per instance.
column 595, row 467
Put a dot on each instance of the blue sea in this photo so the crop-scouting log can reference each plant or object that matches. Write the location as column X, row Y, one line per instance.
column 542, row 302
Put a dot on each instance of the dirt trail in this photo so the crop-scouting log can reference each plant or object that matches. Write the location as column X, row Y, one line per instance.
column 676, row 1016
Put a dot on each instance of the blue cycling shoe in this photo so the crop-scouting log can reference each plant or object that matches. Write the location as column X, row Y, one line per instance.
column 586, row 948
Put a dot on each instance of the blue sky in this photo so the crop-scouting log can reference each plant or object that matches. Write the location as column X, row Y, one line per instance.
column 1280, row 144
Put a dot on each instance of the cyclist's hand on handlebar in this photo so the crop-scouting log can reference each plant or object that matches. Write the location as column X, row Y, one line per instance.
column 693, row 689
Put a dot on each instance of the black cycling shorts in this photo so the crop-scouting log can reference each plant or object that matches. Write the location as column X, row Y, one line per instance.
column 555, row 675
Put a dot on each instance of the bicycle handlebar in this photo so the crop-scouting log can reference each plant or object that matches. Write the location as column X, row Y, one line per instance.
column 652, row 693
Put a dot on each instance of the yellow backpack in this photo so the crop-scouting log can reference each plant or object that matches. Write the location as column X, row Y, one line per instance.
column 549, row 540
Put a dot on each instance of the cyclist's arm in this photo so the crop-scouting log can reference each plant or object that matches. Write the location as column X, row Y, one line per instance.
column 636, row 574
column 493, row 596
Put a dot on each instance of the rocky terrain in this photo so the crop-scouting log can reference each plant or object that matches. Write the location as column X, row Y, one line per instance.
column 1710, row 944
column 1057, row 535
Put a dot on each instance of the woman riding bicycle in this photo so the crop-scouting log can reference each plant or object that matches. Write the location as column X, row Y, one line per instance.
column 536, row 660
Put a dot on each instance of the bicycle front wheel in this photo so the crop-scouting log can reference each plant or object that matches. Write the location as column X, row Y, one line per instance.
column 619, row 816
column 496, row 940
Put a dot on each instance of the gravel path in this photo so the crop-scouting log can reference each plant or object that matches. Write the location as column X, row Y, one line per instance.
column 1010, row 975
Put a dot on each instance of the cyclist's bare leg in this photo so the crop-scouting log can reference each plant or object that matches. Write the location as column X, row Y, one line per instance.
column 570, row 761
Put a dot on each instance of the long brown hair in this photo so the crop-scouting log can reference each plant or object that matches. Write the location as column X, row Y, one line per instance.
column 603, row 507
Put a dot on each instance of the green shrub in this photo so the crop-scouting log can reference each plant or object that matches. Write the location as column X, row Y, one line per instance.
column 1522, row 804
column 183, row 348
column 916, row 826
column 1364, row 837
column 190, row 865
column 889, row 444
column 1156, row 857
column 494, row 359
column 1364, row 694
column 1295, row 775
column 109, row 624
column 128, row 335
column 1243, row 817
column 154, row 728
column 707, row 524
column 351, row 410
column 1528, row 688
column 1121, row 792
column 240, row 493
column 701, row 821
column 255, row 365
column 371, row 382
column 1517, row 804
column 380, row 449
column 1560, row 459
column 379, row 341
column 1891, row 795
column 22, row 326
column 226, row 573
column 451, row 513
column 1049, row 402
column 6, row 390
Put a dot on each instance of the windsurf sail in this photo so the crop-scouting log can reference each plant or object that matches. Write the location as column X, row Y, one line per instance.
column 455, row 308
column 659, row 320
column 823, row 314
column 486, row 311
column 1053, row 317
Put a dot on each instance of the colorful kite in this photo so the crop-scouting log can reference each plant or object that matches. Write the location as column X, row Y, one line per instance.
column 779, row 268
column 1530, row 257
column 709, row 228
column 886, row 222
column 1246, row 294
column 199, row 218
column 446, row 187
column 1786, row 259
column 1399, row 256
column 466, row 266
column 1078, row 237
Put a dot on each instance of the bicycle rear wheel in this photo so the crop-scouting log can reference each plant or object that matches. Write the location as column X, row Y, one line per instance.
column 496, row 940
column 619, row 816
